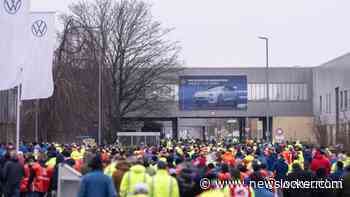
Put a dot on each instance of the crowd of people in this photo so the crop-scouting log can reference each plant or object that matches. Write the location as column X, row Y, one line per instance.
column 174, row 168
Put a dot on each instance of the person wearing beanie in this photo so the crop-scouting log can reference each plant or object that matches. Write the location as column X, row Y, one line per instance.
column 95, row 183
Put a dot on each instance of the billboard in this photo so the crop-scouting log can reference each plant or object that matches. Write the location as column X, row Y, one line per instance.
column 213, row 92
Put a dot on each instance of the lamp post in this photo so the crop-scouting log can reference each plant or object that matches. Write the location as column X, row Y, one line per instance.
column 268, row 132
column 99, row 104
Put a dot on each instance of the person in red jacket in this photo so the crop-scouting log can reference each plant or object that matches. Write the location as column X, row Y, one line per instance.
column 287, row 155
column 228, row 158
column 41, row 181
column 320, row 161
column 24, row 186
column 225, row 173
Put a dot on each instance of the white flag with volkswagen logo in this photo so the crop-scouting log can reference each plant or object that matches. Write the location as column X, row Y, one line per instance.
column 14, row 20
column 37, row 75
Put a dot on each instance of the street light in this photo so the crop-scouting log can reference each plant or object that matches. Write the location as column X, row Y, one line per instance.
column 267, row 88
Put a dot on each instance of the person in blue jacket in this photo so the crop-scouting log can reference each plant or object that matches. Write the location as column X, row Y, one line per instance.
column 280, row 168
column 95, row 183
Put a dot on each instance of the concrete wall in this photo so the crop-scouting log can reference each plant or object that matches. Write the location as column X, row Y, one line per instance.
column 295, row 128
column 326, row 78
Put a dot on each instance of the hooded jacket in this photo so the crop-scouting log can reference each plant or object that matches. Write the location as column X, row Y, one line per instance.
column 136, row 174
column 320, row 161
column 164, row 185
column 13, row 172
column 280, row 168
column 187, row 183
column 96, row 184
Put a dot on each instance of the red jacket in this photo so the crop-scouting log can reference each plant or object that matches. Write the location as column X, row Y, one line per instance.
column 41, row 180
column 200, row 161
column 25, row 180
column 224, row 176
column 78, row 164
column 287, row 156
column 229, row 159
column 320, row 161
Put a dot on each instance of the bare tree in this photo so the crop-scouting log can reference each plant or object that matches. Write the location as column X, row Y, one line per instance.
column 137, row 60
column 320, row 131
column 71, row 110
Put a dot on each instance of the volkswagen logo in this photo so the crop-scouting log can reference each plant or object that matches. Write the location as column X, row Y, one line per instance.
column 12, row 6
column 39, row 28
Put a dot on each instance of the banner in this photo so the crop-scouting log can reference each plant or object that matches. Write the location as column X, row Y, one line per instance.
column 213, row 92
column 14, row 47
column 37, row 74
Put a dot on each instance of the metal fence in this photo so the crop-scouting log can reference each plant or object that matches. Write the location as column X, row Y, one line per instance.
column 137, row 138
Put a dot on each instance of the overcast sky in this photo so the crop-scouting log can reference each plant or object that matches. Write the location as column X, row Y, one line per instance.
column 224, row 32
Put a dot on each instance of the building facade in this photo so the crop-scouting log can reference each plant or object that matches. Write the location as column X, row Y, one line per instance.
column 290, row 108
column 332, row 100
column 307, row 104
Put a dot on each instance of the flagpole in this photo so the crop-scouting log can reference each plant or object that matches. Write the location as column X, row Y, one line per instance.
column 37, row 120
column 18, row 119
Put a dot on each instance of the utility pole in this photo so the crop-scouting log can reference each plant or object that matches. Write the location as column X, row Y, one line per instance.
column 268, row 132
column 37, row 120
column 100, row 104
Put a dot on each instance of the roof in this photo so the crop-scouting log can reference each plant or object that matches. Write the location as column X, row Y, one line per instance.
column 335, row 60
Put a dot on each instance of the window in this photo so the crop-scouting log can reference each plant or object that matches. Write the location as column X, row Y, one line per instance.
column 329, row 103
column 326, row 104
column 321, row 104
column 305, row 92
column 250, row 92
column 341, row 100
column 283, row 92
column 273, row 92
column 278, row 92
column 345, row 100
column 294, row 92
column 258, row 92
column 300, row 92
column 348, row 99
column 288, row 94
column 263, row 91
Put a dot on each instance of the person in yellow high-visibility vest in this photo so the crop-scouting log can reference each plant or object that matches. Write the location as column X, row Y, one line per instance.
column 136, row 174
column 162, row 184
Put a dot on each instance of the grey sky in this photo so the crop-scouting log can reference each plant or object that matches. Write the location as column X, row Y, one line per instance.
column 224, row 32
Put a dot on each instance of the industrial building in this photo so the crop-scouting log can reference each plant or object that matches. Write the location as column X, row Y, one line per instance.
column 305, row 103
column 309, row 104
column 290, row 107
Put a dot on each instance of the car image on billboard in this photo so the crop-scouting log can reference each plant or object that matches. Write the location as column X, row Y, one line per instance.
column 213, row 93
